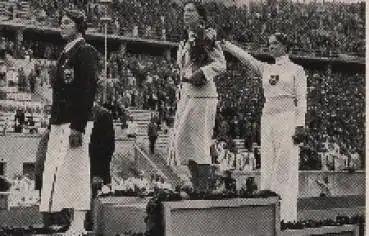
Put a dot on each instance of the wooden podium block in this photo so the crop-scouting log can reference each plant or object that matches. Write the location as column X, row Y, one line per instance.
column 119, row 215
column 236, row 217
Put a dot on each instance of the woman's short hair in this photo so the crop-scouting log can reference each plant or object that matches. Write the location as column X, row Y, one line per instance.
column 78, row 17
column 283, row 39
column 201, row 10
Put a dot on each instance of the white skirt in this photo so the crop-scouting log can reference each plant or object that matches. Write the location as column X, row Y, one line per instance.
column 195, row 120
column 66, row 177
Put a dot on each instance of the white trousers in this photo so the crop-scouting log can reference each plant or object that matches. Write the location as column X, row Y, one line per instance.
column 280, row 160
column 66, row 177
column 194, row 123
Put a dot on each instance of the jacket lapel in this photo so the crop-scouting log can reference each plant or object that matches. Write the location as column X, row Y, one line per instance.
column 72, row 51
column 65, row 58
column 183, row 50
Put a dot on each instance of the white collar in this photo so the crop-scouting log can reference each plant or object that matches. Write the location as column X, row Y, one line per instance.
column 281, row 60
column 191, row 36
column 71, row 44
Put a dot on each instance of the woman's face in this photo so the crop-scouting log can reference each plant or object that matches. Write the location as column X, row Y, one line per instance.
column 68, row 28
column 190, row 15
column 276, row 48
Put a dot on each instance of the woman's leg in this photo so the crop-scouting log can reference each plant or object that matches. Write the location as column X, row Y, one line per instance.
column 77, row 227
column 286, row 166
column 267, row 153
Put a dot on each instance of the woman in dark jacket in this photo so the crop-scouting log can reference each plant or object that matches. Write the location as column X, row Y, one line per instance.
column 101, row 150
column 66, row 176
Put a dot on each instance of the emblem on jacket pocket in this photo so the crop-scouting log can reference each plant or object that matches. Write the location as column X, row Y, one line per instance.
column 273, row 80
column 68, row 75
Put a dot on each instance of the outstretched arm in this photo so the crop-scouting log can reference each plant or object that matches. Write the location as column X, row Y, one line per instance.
column 245, row 57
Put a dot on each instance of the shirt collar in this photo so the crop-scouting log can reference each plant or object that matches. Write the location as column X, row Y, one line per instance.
column 281, row 60
column 191, row 36
column 71, row 44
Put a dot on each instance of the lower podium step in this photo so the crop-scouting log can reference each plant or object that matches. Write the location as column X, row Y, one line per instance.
column 35, row 231
column 349, row 230
column 59, row 234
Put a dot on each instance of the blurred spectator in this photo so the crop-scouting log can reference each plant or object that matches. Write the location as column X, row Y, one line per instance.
column 19, row 121
column 131, row 128
column 152, row 133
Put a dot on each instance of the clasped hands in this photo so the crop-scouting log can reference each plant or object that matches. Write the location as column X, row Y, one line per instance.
column 300, row 135
column 198, row 77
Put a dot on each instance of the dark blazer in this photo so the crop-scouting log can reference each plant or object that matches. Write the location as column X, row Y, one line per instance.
column 74, row 86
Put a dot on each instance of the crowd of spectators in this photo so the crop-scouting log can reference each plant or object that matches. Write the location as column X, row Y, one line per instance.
column 22, row 86
column 40, row 49
column 335, row 111
column 240, row 104
column 7, row 46
column 326, row 28
column 142, row 81
column 29, row 49
column 335, row 101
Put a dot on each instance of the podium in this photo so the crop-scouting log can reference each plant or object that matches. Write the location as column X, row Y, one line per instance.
column 119, row 215
column 236, row 217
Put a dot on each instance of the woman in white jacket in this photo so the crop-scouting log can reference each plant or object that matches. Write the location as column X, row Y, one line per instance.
column 282, row 121
column 200, row 59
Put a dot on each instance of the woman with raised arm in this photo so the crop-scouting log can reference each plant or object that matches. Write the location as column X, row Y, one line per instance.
column 282, row 121
column 66, row 176
column 200, row 59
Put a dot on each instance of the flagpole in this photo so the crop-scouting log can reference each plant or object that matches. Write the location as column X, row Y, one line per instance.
column 106, row 19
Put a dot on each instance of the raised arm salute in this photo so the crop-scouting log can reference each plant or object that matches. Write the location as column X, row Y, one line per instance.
column 282, row 121
column 245, row 58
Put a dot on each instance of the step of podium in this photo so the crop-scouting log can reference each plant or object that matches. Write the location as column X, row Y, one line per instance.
column 160, row 163
column 162, row 143
column 240, row 145
column 324, row 208
column 319, row 208
column 142, row 113
column 89, row 233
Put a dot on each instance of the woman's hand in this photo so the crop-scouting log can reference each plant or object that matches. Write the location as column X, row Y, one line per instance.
column 75, row 138
column 197, row 78
column 210, row 34
column 224, row 44
column 300, row 135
